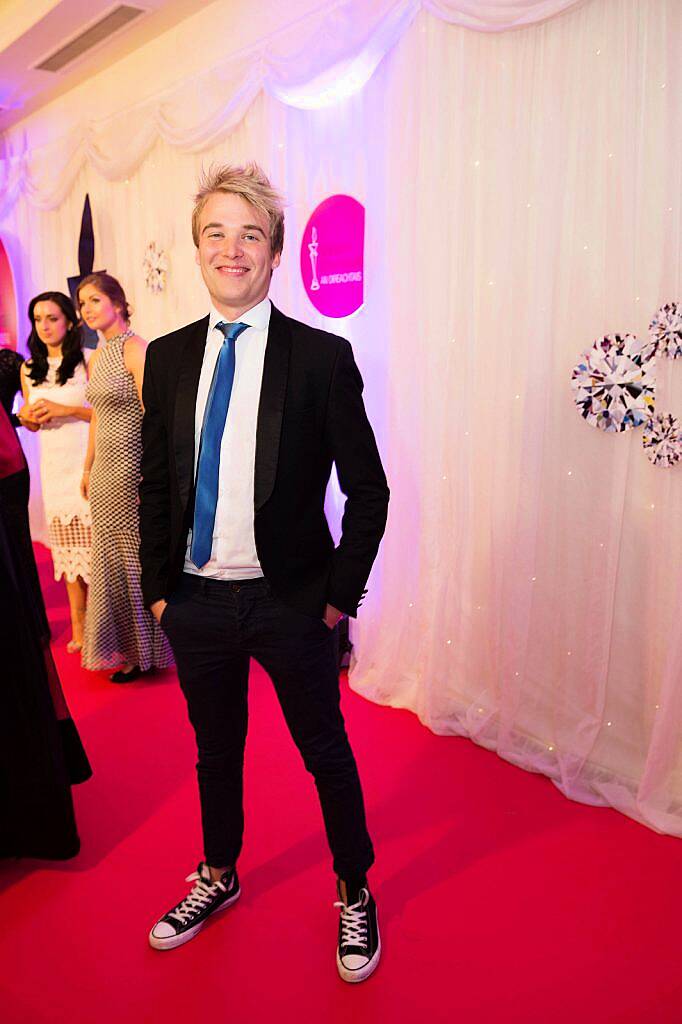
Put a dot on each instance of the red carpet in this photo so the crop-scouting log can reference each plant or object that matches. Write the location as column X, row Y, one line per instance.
column 500, row 900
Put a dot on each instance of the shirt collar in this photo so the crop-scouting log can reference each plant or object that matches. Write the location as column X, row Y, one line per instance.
column 258, row 316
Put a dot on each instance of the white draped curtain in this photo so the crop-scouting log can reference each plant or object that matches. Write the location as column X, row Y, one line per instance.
column 312, row 63
column 523, row 197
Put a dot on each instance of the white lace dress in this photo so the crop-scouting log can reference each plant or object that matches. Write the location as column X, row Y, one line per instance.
column 63, row 445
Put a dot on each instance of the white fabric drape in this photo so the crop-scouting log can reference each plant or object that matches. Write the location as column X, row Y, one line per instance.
column 523, row 197
column 329, row 54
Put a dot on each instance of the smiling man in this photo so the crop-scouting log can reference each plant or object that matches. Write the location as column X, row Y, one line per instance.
column 245, row 413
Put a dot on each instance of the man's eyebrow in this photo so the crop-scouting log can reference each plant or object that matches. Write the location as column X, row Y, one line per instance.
column 245, row 227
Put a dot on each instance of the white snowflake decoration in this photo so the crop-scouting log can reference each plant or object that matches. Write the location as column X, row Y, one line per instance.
column 665, row 330
column 662, row 440
column 155, row 265
column 614, row 382
column 614, row 385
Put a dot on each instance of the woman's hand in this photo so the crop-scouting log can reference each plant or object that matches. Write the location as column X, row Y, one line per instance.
column 44, row 411
column 26, row 417
column 85, row 484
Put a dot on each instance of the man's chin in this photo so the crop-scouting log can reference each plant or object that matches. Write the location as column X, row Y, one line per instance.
column 231, row 297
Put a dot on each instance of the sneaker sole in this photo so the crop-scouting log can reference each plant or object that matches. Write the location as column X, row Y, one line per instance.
column 362, row 973
column 173, row 941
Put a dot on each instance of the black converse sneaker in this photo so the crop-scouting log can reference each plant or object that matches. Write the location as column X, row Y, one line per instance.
column 187, row 918
column 359, row 948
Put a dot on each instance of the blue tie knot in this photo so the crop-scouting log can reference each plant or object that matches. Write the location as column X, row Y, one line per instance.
column 231, row 331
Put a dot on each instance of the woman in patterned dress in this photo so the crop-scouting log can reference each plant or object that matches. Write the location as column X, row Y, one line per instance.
column 119, row 630
column 53, row 383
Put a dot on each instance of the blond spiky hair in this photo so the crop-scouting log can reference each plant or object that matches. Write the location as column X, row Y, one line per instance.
column 253, row 184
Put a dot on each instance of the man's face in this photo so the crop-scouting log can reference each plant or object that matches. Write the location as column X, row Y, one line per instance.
column 234, row 253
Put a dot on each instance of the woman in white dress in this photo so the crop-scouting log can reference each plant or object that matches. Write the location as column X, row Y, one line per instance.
column 53, row 383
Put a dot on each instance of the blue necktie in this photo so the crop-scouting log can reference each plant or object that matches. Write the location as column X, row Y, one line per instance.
column 215, row 414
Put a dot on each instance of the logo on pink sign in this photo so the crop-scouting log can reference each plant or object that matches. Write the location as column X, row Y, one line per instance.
column 332, row 256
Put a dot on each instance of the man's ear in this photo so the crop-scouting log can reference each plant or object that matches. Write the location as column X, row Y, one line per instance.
column 276, row 260
column 196, row 256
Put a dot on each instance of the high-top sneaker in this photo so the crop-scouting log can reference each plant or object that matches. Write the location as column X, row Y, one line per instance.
column 359, row 947
column 189, row 916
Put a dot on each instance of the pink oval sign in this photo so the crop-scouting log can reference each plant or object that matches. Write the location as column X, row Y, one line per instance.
column 332, row 256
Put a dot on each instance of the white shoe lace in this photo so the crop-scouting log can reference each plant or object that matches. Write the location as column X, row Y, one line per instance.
column 198, row 898
column 354, row 921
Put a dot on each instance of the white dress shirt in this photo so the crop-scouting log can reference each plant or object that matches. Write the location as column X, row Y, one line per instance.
column 233, row 554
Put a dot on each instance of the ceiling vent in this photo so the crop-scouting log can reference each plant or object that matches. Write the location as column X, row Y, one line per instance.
column 97, row 33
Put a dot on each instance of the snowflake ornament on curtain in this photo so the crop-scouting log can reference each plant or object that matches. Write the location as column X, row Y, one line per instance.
column 662, row 440
column 665, row 330
column 662, row 437
column 155, row 266
column 614, row 382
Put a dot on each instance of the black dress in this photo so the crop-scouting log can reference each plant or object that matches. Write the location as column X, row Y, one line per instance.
column 41, row 754
column 10, row 381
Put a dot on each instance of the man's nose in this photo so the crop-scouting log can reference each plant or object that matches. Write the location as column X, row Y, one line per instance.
column 232, row 247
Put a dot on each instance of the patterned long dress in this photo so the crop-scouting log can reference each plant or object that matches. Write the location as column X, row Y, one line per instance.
column 118, row 628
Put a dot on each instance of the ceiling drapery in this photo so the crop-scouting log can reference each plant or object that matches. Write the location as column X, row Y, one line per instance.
column 315, row 63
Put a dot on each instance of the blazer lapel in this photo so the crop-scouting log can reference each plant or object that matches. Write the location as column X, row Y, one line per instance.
column 191, row 359
column 271, row 406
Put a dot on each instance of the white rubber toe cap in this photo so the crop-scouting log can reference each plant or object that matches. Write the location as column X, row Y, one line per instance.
column 354, row 961
column 164, row 930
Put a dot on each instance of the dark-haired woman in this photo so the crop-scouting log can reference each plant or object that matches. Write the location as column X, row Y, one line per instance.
column 53, row 383
column 119, row 631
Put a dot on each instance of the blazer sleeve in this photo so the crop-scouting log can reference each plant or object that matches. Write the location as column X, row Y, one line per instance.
column 154, row 508
column 362, row 480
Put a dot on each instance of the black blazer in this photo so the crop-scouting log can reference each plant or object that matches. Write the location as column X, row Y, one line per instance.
column 310, row 415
